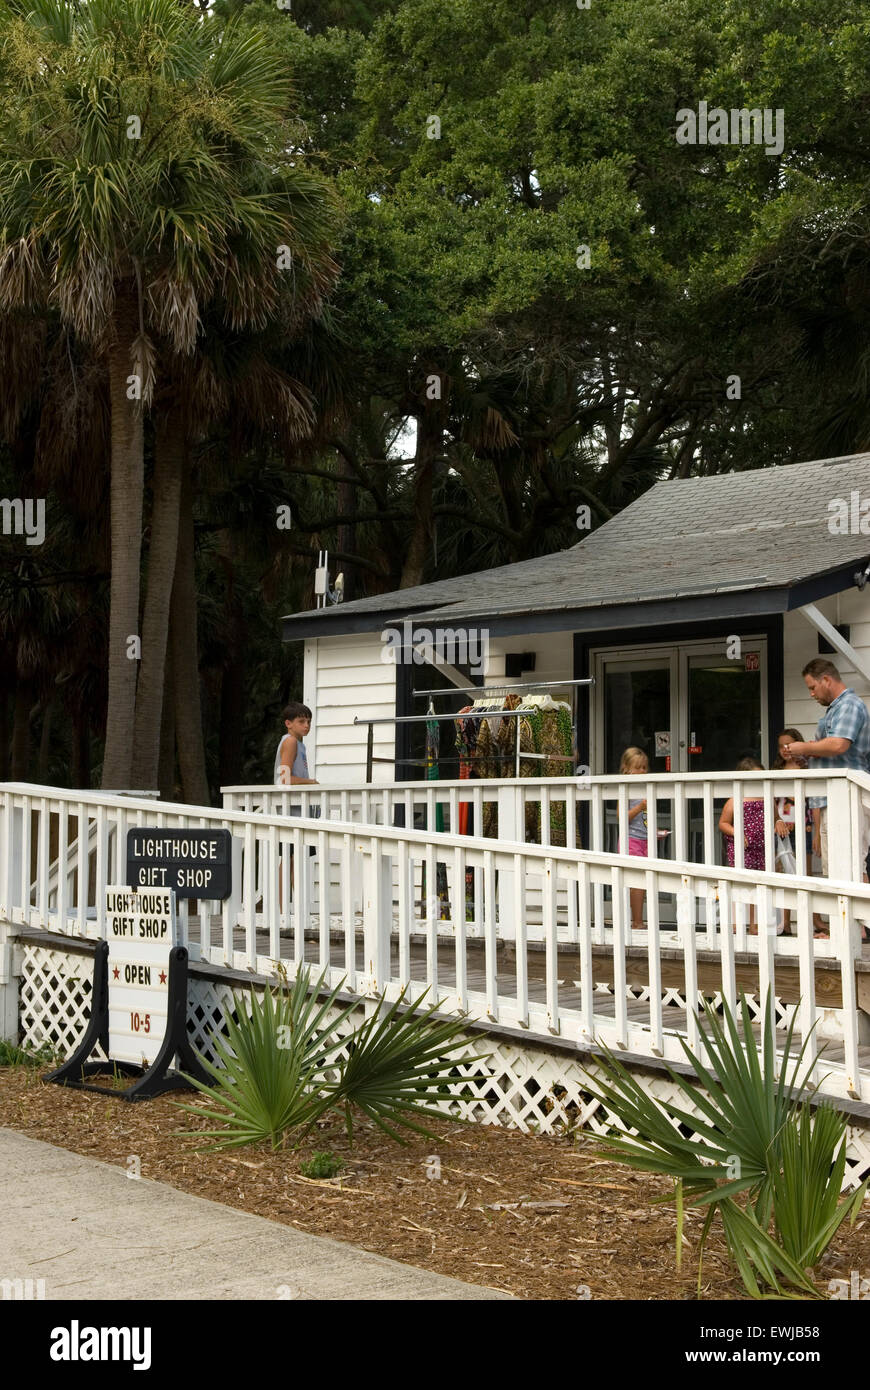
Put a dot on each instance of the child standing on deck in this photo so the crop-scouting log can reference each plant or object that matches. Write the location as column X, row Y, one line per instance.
column 291, row 770
column 291, row 761
column 634, row 761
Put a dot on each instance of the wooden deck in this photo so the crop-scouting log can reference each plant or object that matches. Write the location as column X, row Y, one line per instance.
column 827, row 976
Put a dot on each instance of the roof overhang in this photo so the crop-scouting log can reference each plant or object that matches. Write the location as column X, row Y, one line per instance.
column 636, row 613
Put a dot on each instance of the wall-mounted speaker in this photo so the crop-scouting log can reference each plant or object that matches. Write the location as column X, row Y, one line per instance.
column 825, row 647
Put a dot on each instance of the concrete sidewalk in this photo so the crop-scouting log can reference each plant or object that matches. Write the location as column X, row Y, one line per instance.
column 90, row 1232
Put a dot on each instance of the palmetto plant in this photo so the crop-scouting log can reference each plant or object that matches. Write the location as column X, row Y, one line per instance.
column 148, row 171
column 756, row 1137
column 806, row 1188
column 287, row 1062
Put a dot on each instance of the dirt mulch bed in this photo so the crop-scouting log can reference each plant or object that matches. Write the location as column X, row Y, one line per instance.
column 539, row 1217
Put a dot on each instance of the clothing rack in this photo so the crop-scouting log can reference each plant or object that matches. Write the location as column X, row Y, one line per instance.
column 487, row 691
column 484, row 692
column 444, row 718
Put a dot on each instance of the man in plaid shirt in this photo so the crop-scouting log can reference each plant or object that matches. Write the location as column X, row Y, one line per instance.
column 842, row 737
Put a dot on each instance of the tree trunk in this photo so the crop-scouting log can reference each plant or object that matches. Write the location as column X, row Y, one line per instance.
column 20, row 762
column 4, row 735
column 127, row 483
column 346, row 532
column 185, row 661
column 81, row 748
column 168, row 469
column 429, row 440
column 166, row 765
column 45, row 743
column 232, row 701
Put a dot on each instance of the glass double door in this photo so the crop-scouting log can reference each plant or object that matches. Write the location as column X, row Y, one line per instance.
column 691, row 707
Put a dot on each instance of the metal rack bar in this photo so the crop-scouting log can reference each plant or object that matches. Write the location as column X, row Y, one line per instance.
column 425, row 718
column 484, row 690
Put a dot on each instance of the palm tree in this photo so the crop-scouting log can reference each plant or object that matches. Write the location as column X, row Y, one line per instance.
column 233, row 378
column 148, row 170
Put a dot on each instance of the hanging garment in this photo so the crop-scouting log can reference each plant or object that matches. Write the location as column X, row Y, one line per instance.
column 485, row 765
column 466, row 740
column 466, row 731
column 433, row 744
column 433, row 774
column 487, row 748
column 557, row 738
column 506, row 739
column 530, row 767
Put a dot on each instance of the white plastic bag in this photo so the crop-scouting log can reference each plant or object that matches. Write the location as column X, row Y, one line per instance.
column 785, row 860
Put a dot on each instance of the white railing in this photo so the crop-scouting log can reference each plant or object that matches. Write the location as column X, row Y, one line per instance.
column 356, row 909
column 592, row 812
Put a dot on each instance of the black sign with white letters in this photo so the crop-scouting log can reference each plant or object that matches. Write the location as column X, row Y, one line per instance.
column 196, row 863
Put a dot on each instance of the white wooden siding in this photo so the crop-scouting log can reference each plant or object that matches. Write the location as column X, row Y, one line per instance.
column 345, row 676
column 554, row 652
column 309, row 698
column 350, row 679
column 800, row 645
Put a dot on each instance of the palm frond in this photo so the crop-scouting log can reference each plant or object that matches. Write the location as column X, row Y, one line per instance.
column 288, row 1058
column 755, row 1135
column 399, row 1067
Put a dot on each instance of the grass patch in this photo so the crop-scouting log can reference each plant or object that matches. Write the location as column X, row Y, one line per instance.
column 11, row 1055
column 321, row 1165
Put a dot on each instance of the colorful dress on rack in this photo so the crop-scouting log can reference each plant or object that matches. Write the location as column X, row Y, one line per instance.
column 433, row 773
column 466, row 741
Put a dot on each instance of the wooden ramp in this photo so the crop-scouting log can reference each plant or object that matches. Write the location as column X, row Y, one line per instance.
column 827, row 977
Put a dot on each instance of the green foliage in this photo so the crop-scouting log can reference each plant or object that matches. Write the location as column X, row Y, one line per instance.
column 13, row 1056
column 457, row 255
column 755, row 1254
column 806, row 1188
column 272, row 1068
column 321, row 1165
column 285, row 1063
column 756, row 1136
column 191, row 209
column 397, row 1067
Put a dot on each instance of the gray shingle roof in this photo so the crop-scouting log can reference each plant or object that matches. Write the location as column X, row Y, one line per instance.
column 766, row 528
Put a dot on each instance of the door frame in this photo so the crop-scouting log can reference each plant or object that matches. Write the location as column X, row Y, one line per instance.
column 673, row 655
column 663, row 657
column 688, row 650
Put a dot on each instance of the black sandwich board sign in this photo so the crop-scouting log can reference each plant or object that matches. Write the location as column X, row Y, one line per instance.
column 195, row 863
column 138, row 1000
column 141, row 932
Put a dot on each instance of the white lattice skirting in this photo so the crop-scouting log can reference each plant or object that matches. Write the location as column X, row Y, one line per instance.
column 517, row 1085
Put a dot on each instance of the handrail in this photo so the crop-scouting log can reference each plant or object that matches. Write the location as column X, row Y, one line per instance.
column 610, row 779
column 392, row 885
column 397, row 834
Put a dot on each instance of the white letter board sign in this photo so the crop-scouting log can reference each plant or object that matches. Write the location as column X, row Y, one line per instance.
column 141, row 931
